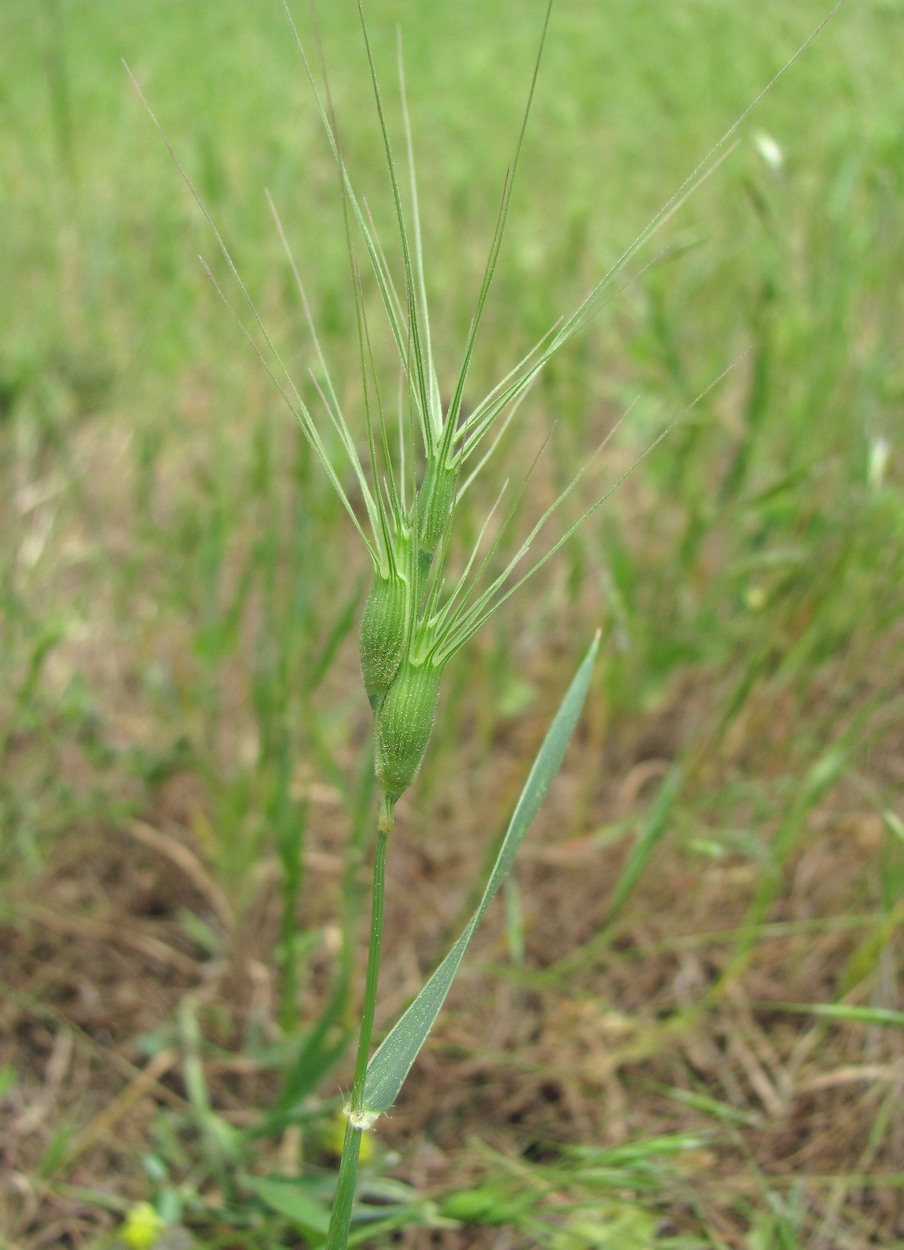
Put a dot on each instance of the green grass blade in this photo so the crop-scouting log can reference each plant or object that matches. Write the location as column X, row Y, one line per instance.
column 305, row 1211
column 649, row 836
column 393, row 1060
column 844, row 1012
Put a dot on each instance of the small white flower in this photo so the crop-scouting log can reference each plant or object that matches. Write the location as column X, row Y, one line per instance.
column 879, row 456
column 769, row 150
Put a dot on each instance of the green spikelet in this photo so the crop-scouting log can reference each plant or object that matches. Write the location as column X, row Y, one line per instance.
column 435, row 502
column 384, row 633
column 404, row 724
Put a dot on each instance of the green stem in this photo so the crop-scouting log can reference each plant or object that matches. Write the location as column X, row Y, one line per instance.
column 341, row 1215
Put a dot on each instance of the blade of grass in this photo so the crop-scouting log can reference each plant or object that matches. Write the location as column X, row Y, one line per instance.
column 394, row 1058
column 649, row 835
column 839, row 1011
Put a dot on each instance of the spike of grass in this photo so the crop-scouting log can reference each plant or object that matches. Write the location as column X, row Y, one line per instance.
column 416, row 618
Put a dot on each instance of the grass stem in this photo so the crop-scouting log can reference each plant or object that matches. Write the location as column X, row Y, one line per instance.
column 340, row 1217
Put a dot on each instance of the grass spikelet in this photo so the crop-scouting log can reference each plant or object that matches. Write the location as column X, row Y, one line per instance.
column 403, row 726
column 435, row 503
column 386, row 621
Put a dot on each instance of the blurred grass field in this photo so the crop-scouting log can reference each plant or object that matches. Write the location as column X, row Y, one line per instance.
column 686, row 1026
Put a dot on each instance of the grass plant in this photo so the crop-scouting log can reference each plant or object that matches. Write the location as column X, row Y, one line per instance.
column 702, row 942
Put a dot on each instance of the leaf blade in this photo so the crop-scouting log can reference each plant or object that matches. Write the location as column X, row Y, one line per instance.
column 394, row 1058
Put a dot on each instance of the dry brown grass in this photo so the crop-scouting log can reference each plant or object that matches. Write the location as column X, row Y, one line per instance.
column 94, row 954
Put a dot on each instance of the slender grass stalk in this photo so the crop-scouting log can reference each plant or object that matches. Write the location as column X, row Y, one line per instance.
column 344, row 1200
column 340, row 1217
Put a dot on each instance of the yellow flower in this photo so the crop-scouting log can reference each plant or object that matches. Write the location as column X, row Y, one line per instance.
column 141, row 1227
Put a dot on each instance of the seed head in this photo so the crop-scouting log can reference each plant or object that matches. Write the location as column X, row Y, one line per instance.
column 384, row 632
column 404, row 723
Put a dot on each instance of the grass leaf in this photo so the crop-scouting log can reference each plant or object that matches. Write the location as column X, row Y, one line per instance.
column 394, row 1058
column 841, row 1011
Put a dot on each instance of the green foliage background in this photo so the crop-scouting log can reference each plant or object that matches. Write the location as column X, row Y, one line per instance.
column 178, row 589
